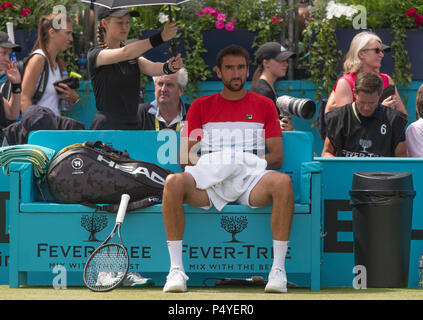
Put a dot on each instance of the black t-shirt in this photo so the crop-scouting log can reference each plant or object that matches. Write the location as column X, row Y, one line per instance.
column 265, row 89
column 116, row 86
column 354, row 135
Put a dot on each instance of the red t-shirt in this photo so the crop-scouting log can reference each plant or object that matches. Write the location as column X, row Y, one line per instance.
column 221, row 123
column 350, row 77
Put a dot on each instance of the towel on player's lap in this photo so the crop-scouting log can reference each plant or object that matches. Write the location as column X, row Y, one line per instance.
column 226, row 175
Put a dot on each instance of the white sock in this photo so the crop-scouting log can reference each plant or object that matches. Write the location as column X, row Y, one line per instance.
column 279, row 252
column 175, row 253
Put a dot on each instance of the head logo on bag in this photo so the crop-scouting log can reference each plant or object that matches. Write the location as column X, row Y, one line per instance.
column 107, row 174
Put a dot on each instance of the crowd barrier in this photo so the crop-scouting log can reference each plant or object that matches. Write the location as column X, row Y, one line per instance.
column 44, row 236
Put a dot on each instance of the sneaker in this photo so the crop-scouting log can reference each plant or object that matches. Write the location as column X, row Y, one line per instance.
column 134, row 279
column 106, row 279
column 176, row 281
column 277, row 281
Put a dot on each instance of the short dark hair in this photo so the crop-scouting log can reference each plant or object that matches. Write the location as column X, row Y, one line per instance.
column 368, row 82
column 232, row 50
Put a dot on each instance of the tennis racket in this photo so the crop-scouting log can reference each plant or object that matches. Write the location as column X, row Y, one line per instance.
column 108, row 264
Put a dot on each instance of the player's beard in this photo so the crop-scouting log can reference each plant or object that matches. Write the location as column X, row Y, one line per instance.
column 235, row 88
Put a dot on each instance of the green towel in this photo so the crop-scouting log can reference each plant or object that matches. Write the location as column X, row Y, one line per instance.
column 39, row 156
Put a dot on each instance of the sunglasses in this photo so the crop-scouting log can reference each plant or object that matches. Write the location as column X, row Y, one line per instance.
column 376, row 50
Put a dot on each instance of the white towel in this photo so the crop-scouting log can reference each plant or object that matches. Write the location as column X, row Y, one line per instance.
column 226, row 175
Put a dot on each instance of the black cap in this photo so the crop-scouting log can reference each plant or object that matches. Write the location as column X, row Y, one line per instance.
column 385, row 48
column 104, row 12
column 6, row 43
column 273, row 50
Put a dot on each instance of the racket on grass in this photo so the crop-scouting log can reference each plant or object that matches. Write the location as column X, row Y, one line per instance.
column 108, row 264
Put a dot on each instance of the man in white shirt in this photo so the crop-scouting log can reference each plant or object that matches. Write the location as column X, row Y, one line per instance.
column 414, row 133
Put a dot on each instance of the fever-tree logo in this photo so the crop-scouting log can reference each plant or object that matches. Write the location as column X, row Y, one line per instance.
column 234, row 225
column 93, row 224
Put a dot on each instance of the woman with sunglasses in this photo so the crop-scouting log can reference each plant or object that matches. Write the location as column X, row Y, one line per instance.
column 115, row 68
column 365, row 54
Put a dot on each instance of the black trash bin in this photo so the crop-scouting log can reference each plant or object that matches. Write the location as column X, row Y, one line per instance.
column 382, row 206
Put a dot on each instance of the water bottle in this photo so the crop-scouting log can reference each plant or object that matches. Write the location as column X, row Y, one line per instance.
column 82, row 62
column 64, row 105
column 421, row 271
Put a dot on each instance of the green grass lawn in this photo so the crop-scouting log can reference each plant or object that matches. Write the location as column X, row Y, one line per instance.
column 209, row 293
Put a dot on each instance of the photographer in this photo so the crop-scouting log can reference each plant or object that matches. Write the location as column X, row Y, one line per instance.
column 272, row 64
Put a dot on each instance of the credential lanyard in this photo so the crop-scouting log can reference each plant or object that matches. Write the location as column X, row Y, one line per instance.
column 157, row 125
column 355, row 112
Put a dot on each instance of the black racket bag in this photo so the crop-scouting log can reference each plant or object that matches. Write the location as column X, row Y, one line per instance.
column 93, row 173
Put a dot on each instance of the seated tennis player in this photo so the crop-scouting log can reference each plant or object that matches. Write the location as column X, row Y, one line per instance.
column 233, row 128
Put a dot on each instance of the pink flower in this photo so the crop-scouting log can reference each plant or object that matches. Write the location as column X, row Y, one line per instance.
column 220, row 24
column 229, row 26
column 419, row 20
column 221, row 16
column 200, row 13
column 411, row 12
column 210, row 11
column 276, row 20
column 25, row 12
column 6, row 5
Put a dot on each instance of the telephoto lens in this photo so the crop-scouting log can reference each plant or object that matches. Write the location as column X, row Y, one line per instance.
column 303, row 108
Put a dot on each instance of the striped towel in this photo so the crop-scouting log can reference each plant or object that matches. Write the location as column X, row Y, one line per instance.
column 39, row 156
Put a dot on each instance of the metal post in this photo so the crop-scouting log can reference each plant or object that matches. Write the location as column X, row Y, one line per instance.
column 290, row 36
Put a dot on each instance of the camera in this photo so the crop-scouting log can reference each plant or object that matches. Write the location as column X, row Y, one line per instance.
column 73, row 83
column 303, row 108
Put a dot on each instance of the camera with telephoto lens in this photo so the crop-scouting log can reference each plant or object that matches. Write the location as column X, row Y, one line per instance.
column 303, row 108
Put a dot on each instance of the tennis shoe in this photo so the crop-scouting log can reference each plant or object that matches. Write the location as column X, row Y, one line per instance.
column 106, row 279
column 276, row 282
column 134, row 279
column 176, row 281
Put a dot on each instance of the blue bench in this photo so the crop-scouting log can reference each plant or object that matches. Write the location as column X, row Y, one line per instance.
column 44, row 235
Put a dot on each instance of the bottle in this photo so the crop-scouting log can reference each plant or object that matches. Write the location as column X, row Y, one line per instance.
column 64, row 105
column 421, row 271
column 82, row 61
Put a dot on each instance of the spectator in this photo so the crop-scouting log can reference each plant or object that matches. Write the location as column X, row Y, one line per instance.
column 414, row 133
column 272, row 64
column 365, row 128
column 213, row 120
column 365, row 54
column 9, row 109
column 167, row 111
column 115, row 68
column 54, row 37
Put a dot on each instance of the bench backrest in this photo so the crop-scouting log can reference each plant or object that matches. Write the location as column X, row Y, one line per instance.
column 162, row 147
